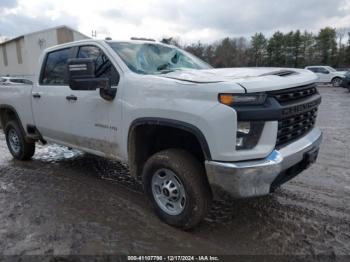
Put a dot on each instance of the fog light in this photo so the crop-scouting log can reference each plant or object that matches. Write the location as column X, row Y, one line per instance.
column 248, row 134
column 239, row 142
column 243, row 127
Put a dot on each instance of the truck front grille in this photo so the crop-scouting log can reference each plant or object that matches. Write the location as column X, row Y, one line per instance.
column 293, row 94
column 291, row 128
column 301, row 117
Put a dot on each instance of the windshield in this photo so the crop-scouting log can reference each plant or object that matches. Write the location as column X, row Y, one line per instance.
column 331, row 69
column 152, row 58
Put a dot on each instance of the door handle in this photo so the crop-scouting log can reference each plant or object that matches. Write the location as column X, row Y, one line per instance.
column 71, row 98
column 36, row 95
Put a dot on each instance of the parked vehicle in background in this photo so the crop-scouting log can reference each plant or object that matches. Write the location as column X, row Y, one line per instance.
column 328, row 75
column 14, row 81
column 346, row 81
column 183, row 127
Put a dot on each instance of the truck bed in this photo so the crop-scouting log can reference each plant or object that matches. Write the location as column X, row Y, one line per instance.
column 18, row 98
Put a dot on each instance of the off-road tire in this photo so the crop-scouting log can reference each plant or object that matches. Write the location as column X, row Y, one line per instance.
column 26, row 149
column 193, row 178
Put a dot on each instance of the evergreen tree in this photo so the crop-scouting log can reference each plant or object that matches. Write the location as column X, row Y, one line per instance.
column 293, row 49
column 327, row 46
column 258, row 49
column 225, row 53
column 276, row 50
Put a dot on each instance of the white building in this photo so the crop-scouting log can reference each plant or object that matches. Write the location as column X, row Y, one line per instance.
column 20, row 56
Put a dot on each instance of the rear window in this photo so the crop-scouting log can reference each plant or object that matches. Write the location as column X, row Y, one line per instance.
column 54, row 72
column 18, row 81
column 21, row 81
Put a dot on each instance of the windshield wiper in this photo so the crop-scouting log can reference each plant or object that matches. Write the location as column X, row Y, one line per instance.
column 166, row 71
column 163, row 67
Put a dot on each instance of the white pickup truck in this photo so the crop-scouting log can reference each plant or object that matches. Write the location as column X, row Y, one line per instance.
column 328, row 75
column 186, row 129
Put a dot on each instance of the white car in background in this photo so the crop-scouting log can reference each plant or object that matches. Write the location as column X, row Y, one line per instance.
column 327, row 74
column 14, row 81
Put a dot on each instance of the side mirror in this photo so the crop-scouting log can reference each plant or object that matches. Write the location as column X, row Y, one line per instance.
column 81, row 76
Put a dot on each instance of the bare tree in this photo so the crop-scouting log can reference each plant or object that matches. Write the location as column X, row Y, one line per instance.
column 341, row 32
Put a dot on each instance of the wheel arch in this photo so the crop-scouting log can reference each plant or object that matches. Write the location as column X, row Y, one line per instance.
column 136, row 160
column 8, row 113
column 336, row 77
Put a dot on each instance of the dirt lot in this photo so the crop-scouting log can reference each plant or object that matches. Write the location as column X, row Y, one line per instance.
column 66, row 202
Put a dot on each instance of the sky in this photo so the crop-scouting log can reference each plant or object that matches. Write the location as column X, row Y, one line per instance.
column 188, row 20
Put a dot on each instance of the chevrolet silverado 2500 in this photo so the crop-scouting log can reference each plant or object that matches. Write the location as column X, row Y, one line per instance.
column 187, row 130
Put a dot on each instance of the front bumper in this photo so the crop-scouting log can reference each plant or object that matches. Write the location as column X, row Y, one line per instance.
column 260, row 177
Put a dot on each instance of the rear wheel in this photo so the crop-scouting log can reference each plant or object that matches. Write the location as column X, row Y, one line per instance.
column 16, row 143
column 177, row 187
column 336, row 82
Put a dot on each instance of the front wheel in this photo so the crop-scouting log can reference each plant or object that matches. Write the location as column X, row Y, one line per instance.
column 177, row 187
column 336, row 82
column 16, row 142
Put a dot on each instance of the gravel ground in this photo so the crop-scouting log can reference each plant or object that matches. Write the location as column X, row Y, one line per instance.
column 65, row 202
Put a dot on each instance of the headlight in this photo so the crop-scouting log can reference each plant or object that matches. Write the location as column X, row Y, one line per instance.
column 248, row 134
column 242, row 99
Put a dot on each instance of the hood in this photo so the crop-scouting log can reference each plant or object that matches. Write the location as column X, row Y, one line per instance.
column 341, row 73
column 223, row 74
column 253, row 79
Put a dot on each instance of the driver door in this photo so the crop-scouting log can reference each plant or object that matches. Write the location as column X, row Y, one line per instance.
column 94, row 120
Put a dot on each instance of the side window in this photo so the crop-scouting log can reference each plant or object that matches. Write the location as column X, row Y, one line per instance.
column 27, row 82
column 323, row 70
column 103, row 66
column 17, row 81
column 54, row 72
column 313, row 69
column 21, row 81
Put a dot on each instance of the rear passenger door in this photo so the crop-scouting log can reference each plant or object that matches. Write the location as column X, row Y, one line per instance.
column 49, row 103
